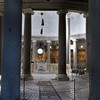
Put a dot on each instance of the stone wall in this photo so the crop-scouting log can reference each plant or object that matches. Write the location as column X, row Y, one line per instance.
column 51, row 68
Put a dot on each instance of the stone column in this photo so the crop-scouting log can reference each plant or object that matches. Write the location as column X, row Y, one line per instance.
column 94, row 36
column 62, row 47
column 87, row 46
column 75, row 55
column 27, row 46
column 48, row 50
column 0, row 40
column 33, row 66
column 68, row 60
column 11, row 55
column 34, row 51
column 68, row 43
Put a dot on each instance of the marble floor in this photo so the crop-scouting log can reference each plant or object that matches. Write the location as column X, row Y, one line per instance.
column 45, row 87
column 50, row 89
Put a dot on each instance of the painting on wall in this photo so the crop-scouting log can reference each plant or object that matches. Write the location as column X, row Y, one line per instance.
column 82, row 55
column 82, row 59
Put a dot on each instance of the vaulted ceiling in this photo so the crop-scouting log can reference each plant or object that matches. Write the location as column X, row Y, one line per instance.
column 80, row 5
column 74, row 5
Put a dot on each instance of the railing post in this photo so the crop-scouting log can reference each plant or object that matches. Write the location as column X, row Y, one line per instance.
column 74, row 89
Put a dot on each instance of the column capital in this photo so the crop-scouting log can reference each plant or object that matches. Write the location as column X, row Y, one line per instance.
column 1, row 13
column 62, row 11
column 29, row 10
column 74, row 40
column 34, row 41
column 48, row 41
column 85, row 15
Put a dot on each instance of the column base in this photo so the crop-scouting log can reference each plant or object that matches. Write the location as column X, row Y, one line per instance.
column 9, row 98
column 62, row 77
column 27, row 77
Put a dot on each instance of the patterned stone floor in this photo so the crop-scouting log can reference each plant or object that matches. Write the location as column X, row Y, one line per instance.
column 58, row 90
column 47, row 91
column 62, row 90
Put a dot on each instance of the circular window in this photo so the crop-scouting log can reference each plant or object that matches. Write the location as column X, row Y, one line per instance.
column 40, row 51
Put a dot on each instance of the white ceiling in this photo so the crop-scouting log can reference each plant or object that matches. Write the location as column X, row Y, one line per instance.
column 77, row 23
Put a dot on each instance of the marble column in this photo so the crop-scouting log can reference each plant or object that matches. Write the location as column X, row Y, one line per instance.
column 11, row 55
column 1, row 17
column 87, row 46
column 94, row 36
column 75, row 55
column 48, row 50
column 68, row 43
column 34, row 51
column 27, row 46
column 62, row 75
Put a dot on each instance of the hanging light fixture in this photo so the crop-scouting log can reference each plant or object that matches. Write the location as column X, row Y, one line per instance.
column 42, row 23
column 41, row 13
column 41, row 32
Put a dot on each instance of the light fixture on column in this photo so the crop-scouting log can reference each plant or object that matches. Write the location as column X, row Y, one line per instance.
column 81, row 46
